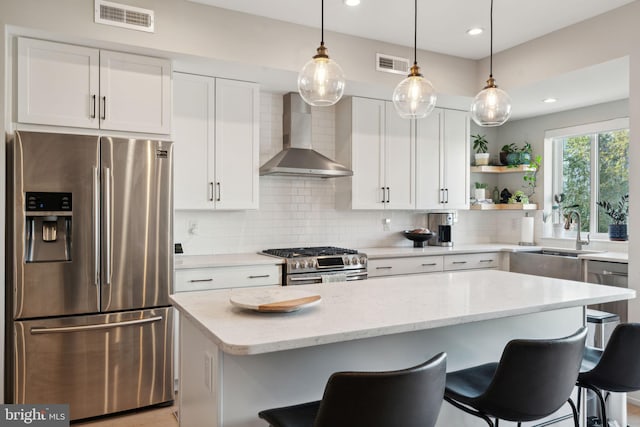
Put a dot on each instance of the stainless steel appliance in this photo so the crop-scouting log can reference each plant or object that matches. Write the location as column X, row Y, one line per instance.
column 89, row 236
column 610, row 274
column 304, row 266
column 441, row 224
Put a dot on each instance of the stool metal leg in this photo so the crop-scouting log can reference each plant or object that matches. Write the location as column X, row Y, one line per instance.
column 576, row 422
column 471, row 411
column 603, row 406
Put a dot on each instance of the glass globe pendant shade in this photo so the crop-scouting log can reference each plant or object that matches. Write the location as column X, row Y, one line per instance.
column 491, row 106
column 414, row 97
column 321, row 81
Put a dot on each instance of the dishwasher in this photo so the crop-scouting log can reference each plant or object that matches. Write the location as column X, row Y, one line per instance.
column 610, row 274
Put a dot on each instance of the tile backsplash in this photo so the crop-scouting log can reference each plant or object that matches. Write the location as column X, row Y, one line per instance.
column 298, row 211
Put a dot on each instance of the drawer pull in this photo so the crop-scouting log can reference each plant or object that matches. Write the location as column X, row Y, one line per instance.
column 384, row 268
column 200, row 280
column 459, row 262
column 261, row 276
column 486, row 260
column 430, row 264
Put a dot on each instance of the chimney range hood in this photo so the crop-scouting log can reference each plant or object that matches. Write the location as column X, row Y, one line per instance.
column 297, row 158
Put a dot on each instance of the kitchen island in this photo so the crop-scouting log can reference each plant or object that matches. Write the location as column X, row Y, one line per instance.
column 235, row 362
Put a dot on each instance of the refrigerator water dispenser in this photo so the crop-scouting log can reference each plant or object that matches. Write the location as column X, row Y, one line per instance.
column 48, row 227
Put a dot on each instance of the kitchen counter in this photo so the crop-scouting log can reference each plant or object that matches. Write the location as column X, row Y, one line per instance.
column 399, row 252
column 254, row 361
column 385, row 306
column 223, row 260
column 621, row 257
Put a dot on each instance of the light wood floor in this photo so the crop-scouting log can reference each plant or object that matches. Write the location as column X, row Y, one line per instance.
column 165, row 417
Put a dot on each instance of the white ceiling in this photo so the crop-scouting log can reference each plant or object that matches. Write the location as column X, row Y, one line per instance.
column 442, row 24
column 442, row 28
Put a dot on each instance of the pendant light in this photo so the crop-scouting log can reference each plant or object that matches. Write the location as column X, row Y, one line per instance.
column 414, row 97
column 321, row 80
column 491, row 106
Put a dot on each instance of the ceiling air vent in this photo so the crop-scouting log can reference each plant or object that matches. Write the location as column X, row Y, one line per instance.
column 124, row 16
column 392, row 64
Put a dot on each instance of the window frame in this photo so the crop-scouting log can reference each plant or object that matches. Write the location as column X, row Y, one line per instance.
column 554, row 152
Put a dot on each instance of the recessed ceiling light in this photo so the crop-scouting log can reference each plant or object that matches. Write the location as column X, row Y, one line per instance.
column 549, row 100
column 352, row 2
column 475, row 31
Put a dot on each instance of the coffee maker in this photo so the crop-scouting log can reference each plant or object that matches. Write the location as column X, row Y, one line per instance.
column 441, row 224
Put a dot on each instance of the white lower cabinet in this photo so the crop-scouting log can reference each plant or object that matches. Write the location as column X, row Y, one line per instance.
column 381, row 267
column 471, row 261
column 199, row 279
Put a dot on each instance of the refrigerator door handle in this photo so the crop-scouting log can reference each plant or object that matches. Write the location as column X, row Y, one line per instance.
column 96, row 227
column 63, row 329
column 107, row 226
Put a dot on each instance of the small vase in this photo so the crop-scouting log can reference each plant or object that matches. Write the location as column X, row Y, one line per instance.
column 618, row 232
column 525, row 158
column 513, row 159
column 481, row 194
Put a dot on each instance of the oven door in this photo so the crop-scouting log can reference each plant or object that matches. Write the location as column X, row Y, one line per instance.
column 325, row 277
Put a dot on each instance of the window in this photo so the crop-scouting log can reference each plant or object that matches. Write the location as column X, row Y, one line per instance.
column 590, row 163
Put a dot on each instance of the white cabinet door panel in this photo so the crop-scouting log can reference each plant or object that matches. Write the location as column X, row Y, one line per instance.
column 193, row 135
column 456, row 158
column 237, row 145
column 400, row 165
column 135, row 93
column 429, row 193
column 57, row 84
column 368, row 117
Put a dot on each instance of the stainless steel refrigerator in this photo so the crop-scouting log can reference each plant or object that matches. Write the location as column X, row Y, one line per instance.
column 90, row 266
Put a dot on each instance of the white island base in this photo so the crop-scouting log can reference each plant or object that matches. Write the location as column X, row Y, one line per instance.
column 235, row 368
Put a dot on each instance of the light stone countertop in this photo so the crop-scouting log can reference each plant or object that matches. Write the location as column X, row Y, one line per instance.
column 620, row 257
column 181, row 261
column 384, row 306
column 401, row 252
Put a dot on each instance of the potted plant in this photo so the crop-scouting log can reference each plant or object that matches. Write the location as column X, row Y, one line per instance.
column 525, row 154
column 480, row 146
column 481, row 191
column 505, row 151
column 531, row 176
column 519, row 197
column 618, row 213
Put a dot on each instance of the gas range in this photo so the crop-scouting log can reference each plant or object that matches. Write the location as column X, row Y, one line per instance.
column 320, row 264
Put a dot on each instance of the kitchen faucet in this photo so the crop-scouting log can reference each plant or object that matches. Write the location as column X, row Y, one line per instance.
column 579, row 241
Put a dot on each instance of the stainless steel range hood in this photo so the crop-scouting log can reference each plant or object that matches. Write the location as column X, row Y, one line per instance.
column 297, row 158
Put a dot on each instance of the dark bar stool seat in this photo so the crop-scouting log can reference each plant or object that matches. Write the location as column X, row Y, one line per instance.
column 614, row 369
column 533, row 379
column 410, row 398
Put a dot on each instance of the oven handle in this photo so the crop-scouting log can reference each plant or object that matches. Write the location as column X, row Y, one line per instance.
column 302, row 279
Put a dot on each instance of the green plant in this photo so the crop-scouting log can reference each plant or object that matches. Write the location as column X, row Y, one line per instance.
column 509, row 148
column 531, row 176
column 482, row 185
column 617, row 212
column 519, row 197
column 526, row 148
column 480, row 144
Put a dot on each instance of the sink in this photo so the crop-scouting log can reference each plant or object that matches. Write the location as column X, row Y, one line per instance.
column 559, row 263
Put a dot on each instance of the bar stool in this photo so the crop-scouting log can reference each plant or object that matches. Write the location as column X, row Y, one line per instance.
column 410, row 397
column 614, row 369
column 533, row 379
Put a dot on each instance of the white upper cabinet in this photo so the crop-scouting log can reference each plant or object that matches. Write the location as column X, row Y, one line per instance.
column 67, row 85
column 216, row 134
column 376, row 143
column 442, row 152
column 135, row 93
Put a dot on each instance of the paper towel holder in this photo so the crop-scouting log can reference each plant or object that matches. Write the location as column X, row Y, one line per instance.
column 523, row 243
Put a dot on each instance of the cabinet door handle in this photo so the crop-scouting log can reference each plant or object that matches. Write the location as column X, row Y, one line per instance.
column 383, row 199
column 384, row 268
column 104, row 108
column 261, row 276
column 486, row 260
column 219, row 189
column 200, row 280
column 446, row 191
column 92, row 107
column 388, row 194
column 211, row 191
column 459, row 262
column 442, row 195
column 429, row 265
